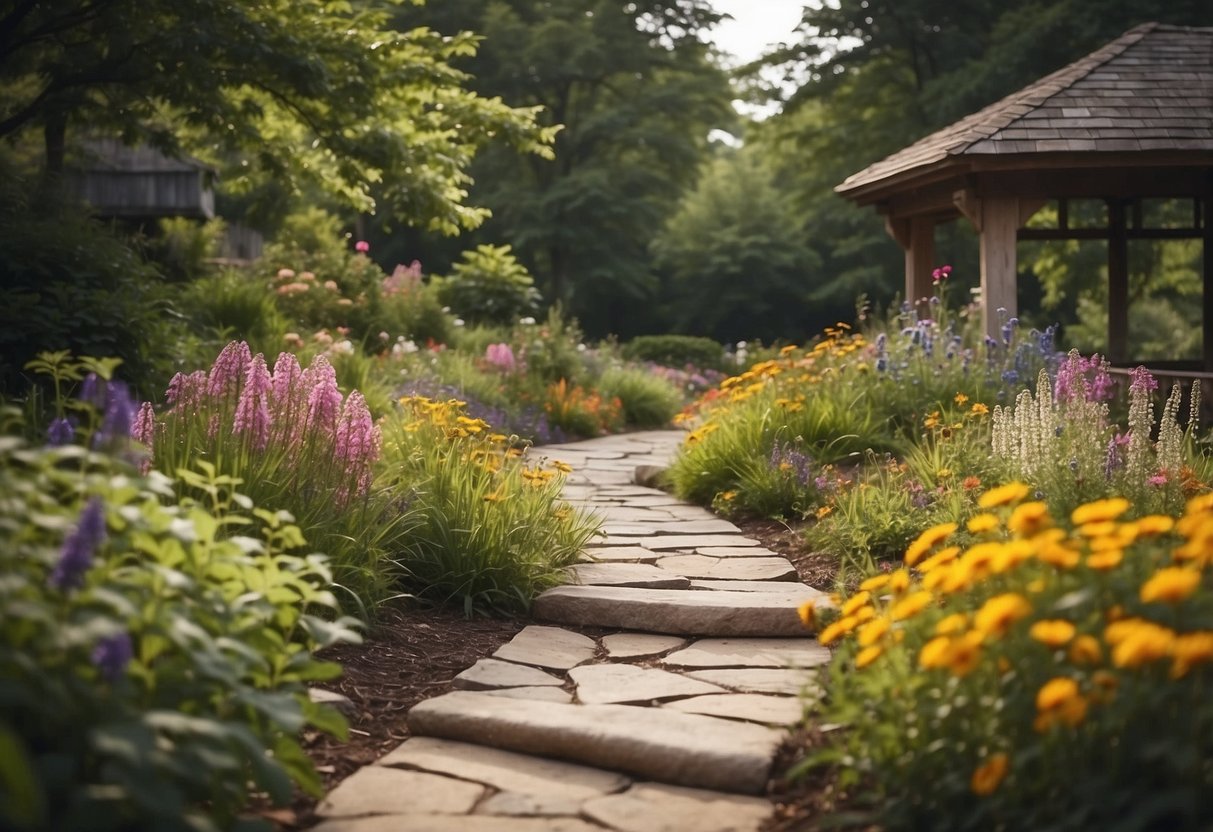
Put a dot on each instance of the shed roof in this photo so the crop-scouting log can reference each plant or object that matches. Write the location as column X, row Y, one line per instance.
column 111, row 155
column 1151, row 89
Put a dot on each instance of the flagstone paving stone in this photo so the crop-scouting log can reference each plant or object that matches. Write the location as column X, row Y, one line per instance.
column 529, row 805
column 375, row 790
column 493, row 673
column 673, row 611
column 696, row 541
column 749, row 652
column 626, row 574
column 622, row 553
column 551, row 648
column 541, row 694
column 626, row 683
column 649, row 807
column 504, row 770
column 753, row 707
column 735, row 552
column 809, row 593
column 737, row 569
column 787, row 681
column 683, row 749
column 456, row 823
column 638, row 645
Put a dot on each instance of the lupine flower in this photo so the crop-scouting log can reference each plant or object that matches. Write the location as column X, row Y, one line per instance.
column 252, row 411
column 1142, row 381
column 227, row 373
column 76, row 555
column 61, row 431
column 357, row 441
column 186, row 391
column 119, row 413
column 92, row 391
column 500, row 356
column 112, row 654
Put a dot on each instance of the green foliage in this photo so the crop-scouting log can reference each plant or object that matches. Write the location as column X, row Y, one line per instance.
column 182, row 247
column 491, row 532
column 647, row 401
column 582, row 412
column 490, row 286
column 70, row 284
column 155, row 658
column 676, row 351
column 553, row 350
column 232, row 303
column 1038, row 678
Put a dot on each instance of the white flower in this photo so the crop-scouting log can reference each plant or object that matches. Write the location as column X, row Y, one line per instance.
column 383, row 336
column 403, row 347
column 581, row 348
column 527, row 321
column 458, row 322
column 345, row 347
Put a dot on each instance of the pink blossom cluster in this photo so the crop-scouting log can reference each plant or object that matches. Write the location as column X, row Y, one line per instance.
column 1080, row 378
column 298, row 412
column 403, row 279
column 500, row 356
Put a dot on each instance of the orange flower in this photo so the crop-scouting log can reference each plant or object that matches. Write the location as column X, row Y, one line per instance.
column 1000, row 612
column 990, row 774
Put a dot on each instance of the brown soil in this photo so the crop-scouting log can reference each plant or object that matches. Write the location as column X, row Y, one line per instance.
column 413, row 654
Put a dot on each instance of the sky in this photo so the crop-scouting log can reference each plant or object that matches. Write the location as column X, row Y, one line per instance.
column 756, row 25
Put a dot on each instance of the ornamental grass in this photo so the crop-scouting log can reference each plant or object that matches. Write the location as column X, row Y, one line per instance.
column 1053, row 673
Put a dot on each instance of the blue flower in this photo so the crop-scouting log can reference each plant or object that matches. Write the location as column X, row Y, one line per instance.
column 60, row 432
column 119, row 414
column 76, row 556
column 112, row 654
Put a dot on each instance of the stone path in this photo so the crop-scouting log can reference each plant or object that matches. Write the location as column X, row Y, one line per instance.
column 669, row 723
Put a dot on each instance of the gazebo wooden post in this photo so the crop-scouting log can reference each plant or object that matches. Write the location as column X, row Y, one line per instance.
column 1118, row 283
column 1206, row 322
column 920, row 259
column 999, row 227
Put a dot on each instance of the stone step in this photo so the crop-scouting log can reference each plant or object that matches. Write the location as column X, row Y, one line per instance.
column 664, row 745
column 679, row 612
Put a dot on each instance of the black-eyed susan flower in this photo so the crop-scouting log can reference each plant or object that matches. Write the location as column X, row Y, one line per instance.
column 1053, row 632
column 1099, row 511
column 927, row 541
column 981, row 523
column 988, row 776
column 998, row 614
column 911, row 605
column 1190, row 649
column 1085, row 649
column 808, row 614
column 1004, row 495
column 1170, row 585
column 868, row 655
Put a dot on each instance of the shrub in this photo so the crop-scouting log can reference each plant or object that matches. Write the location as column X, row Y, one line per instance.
column 648, row 401
column 582, row 412
column 1051, row 675
column 154, row 654
column 676, row 351
column 183, row 246
column 232, row 303
column 491, row 531
column 490, row 286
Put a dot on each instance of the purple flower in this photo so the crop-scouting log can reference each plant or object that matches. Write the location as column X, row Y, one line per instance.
column 60, row 432
column 1142, row 381
column 76, row 555
column 500, row 356
column 186, row 391
column 111, row 655
column 92, row 391
column 1158, row 479
column 357, row 442
column 1112, row 459
column 143, row 430
column 324, row 397
column 252, row 411
column 119, row 414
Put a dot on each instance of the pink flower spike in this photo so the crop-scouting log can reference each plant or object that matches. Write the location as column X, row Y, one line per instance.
column 1158, row 479
column 143, row 429
column 227, row 374
column 252, row 411
column 362, row 246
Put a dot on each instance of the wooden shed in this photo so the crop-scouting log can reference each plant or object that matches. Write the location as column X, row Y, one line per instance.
column 140, row 183
column 1131, row 121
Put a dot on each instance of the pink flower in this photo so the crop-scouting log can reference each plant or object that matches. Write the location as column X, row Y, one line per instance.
column 1142, row 382
column 1158, row 479
column 252, row 411
column 941, row 274
column 143, row 429
column 323, row 399
column 227, row 374
column 362, row 246
column 357, row 442
column 500, row 356
column 186, row 391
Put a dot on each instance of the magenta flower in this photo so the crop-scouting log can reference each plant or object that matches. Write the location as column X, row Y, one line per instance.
column 143, row 430
column 1142, row 381
column 362, row 246
column 252, row 411
column 1158, row 479
column 357, row 442
column 186, row 391
column 227, row 374
column 323, row 399
column 941, row 274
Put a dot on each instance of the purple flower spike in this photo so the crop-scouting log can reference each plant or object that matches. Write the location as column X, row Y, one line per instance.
column 119, row 414
column 76, row 556
column 112, row 654
column 252, row 411
column 60, row 432
column 92, row 391
column 228, row 371
column 143, row 430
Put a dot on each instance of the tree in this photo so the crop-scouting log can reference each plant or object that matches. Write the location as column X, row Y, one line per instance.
column 304, row 92
column 737, row 255
column 636, row 93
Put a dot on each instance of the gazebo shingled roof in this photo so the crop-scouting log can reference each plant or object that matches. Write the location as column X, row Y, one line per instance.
column 1133, row 119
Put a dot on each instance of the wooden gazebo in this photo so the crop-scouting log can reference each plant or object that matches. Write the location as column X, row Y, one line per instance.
column 1131, row 121
column 141, row 183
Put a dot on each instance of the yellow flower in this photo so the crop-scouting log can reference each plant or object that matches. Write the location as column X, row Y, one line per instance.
column 1191, row 649
column 823, row 512
column 1154, row 524
column 998, row 614
column 965, row 653
column 1059, row 700
column 875, row 582
column 873, row 631
column 1170, row 585
column 935, row 653
column 562, row 467
column 927, row 540
column 1106, row 560
column 728, row 496
column 868, row 655
column 910, row 606
column 954, row 623
column 899, row 581
column 1086, row 650
column 1138, row 642
column 978, row 409
column 1052, row 632
column 946, row 555
column 980, row 523
column 837, row 630
column 943, row 473
column 1055, row 554
column 960, row 398
column 789, row 349
column 989, row 775
column 1099, row 511
column 1004, row 495
column 1099, row 528
column 808, row 614
column 859, row 599
column 1028, row 519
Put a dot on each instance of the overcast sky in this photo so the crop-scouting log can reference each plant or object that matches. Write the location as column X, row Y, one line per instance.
column 756, row 25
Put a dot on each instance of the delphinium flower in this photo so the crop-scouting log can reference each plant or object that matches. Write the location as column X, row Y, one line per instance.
column 61, row 431
column 76, row 554
column 92, row 391
column 112, row 654
column 252, row 411
column 118, row 415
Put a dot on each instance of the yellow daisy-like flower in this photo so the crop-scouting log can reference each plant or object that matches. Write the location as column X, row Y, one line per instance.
column 562, row 467
column 1028, row 519
column 910, row 606
column 1004, row 495
column 998, row 614
column 899, row 581
column 1137, row 642
column 837, row 630
column 1191, row 649
column 935, row 653
column 957, row 622
column 1085, row 650
column 1170, row 585
column 943, row 556
column 1052, row 632
column 873, row 631
column 1059, row 700
column 1154, row 524
column 808, row 614
column 868, row 655
column 1099, row 511
column 1106, row 560
column 874, row 583
column 988, row 776
column 960, row 398
column 984, row 522
column 964, row 654
column 928, row 540
column 859, row 599
column 978, row 409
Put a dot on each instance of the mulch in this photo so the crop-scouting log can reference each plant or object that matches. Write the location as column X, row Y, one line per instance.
column 414, row 653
